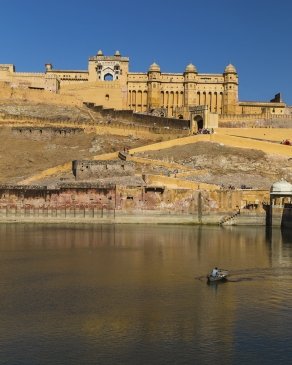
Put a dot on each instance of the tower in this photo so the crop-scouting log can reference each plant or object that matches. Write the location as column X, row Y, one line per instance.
column 154, row 86
column 108, row 68
column 230, row 94
column 190, row 85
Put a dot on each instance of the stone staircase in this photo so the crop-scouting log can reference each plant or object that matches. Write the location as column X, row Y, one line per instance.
column 229, row 220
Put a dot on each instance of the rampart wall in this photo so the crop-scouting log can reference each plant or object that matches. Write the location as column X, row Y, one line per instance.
column 140, row 119
column 110, row 124
column 8, row 93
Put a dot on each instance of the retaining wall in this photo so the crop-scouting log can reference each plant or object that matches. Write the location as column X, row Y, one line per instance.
column 83, row 201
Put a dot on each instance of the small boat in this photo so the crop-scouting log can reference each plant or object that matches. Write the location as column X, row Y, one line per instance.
column 220, row 276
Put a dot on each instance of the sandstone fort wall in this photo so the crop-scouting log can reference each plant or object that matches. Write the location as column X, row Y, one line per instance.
column 140, row 119
column 108, row 82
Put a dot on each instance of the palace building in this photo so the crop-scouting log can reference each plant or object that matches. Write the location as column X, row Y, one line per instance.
column 108, row 82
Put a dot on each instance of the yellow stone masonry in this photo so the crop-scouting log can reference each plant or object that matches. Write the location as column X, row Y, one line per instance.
column 108, row 81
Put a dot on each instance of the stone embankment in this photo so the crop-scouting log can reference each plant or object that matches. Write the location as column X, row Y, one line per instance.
column 142, row 203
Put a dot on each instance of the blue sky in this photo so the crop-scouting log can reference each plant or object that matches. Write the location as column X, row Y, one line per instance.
column 255, row 36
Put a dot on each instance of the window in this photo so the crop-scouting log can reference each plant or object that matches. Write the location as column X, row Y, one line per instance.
column 108, row 77
column 107, row 97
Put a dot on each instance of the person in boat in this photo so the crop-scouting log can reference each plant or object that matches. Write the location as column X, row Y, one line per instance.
column 215, row 272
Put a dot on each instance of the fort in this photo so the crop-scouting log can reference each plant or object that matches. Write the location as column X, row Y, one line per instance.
column 109, row 82
column 109, row 145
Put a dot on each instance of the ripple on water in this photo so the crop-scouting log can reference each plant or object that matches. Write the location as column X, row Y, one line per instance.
column 133, row 294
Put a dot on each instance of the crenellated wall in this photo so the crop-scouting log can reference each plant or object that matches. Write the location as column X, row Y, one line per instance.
column 140, row 119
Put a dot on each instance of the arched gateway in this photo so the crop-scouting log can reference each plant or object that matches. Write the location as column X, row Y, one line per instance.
column 198, row 117
column 201, row 118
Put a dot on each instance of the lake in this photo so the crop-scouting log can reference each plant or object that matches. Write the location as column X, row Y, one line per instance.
column 137, row 294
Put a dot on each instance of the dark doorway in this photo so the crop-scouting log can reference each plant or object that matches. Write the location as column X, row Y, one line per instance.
column 200, row 124
column 199, row 121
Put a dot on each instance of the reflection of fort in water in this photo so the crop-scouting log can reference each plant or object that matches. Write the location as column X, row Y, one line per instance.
column 149, row 271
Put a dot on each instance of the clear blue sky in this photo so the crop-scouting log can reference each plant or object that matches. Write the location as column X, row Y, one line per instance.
column 254, row 35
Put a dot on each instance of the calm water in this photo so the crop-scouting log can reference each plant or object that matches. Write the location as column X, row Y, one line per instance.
column 138, row 295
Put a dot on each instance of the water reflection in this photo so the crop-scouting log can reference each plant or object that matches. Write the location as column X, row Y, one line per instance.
column 131, row 294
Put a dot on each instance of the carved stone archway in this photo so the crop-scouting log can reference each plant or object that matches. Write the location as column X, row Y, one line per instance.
column 198, row 117
column 202, row 118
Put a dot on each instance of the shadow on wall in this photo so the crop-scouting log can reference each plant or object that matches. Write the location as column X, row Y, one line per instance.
column 286, row 235
column 286, row 220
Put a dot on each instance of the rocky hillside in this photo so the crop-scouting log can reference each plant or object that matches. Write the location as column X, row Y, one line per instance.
column 224, row 165
column 23, row 155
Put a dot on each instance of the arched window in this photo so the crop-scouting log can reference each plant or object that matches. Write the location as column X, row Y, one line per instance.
column 145, row 100
column 162, row 98
column 108, row 77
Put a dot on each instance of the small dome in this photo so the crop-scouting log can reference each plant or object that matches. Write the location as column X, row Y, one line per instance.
column 230, row 69
column 99, row 53
column 117, row 54
column 154, row 67
column 281, row 187
column 191, row 68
